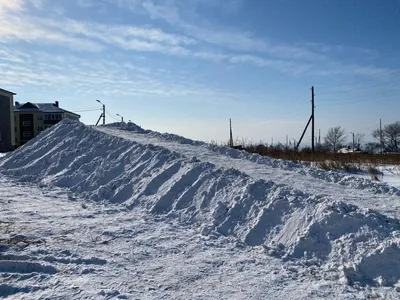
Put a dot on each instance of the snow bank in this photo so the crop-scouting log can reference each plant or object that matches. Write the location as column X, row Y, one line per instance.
column 342, row 178
column 287, row 223
column 127, row 126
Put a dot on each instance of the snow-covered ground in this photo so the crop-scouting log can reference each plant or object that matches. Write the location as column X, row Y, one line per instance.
column 389, row 174
column 122, row 213
column 55, row 247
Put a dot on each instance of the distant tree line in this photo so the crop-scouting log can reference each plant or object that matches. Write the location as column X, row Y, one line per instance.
column 387, row 139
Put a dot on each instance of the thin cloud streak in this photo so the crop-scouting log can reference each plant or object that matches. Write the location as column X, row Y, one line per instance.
column 107, row 77
column 96, row 37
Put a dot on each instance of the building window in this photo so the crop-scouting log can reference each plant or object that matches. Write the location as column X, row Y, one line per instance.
column 39, row 118
column 46, row 117
column 27, row 134
column 26, row 123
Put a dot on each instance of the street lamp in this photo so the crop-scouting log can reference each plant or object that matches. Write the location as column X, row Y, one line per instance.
column 103, row 115
column 122, row 118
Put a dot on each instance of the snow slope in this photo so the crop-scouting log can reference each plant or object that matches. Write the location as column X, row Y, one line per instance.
column 334, row 185
column 389, row 174
column 301, row 217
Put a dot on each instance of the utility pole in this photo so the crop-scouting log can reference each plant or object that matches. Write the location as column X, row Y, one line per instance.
column 313, row 120
column 380, row 135
column 230, row 134
column 103, row 115
column 353, row 140
column 287, row 141
column 319, row 137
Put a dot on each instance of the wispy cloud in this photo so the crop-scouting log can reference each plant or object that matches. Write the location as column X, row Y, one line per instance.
column 16, row 26
column 296, row 58
column 15, row 5
column 190, row 40
column 178, row 13
column 340, row 49
column 85, row 35
column 101, row 77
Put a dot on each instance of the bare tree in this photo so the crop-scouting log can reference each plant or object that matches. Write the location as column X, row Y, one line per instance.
column 359, row 140
column 378, row 135
column 372, row 147
column 389, row 137
column 335, row 137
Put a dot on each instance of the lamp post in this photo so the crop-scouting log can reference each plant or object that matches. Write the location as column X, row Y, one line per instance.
column 103, row 115
column 122, row 118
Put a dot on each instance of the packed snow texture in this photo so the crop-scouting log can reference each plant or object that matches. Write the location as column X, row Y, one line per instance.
column 293, row 213
column 56, row 248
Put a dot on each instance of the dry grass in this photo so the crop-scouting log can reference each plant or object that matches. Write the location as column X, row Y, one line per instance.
column 350, row 162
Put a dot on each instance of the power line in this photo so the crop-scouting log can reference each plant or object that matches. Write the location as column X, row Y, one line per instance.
column 111, row 115
column 292, row 114
column 360, row 88
column 358, row 81
column 266, row 123
column 360, row 99
column 83, row 110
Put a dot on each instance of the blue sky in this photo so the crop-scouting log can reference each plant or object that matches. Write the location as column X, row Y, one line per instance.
column 187, row 66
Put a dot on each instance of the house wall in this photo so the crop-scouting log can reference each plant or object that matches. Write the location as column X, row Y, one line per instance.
column 21, row 129
column 30, row 123
column 7, row 133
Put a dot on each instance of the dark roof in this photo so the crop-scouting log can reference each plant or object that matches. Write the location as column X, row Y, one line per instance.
column 28, row 105
column 43, row 107
column 7, row 92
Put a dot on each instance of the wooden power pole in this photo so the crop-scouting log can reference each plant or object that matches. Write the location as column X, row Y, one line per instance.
column 230, row 134
column 313, row 120
column 319, row 137
column 380, row 135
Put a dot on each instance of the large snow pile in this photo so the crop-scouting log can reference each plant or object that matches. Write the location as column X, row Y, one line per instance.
column 355, row 246
column 341, row 178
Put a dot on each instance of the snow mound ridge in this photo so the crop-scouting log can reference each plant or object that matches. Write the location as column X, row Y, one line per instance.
column 127, row 126
column 287, row 223
column 338, row 177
